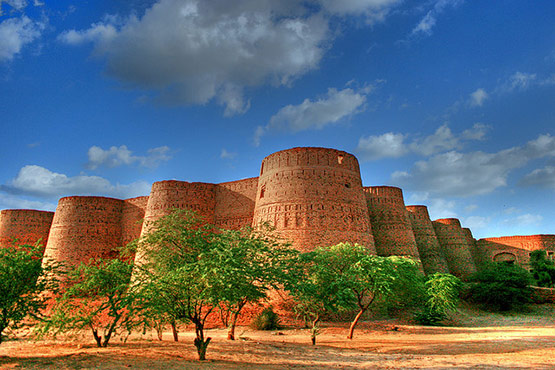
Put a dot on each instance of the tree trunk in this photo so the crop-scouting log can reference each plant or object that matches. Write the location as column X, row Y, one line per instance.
column 97, row 338
column 159, row 331
column 231, row 331
column 201, row 347
column 314, row 330
column 174, row 332
column 354, row 323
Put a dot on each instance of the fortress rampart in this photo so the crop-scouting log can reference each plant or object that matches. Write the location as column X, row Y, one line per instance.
column 391, row 226
column 312, row 196
column 27, row 226
column 455, row 247
column 426, row 240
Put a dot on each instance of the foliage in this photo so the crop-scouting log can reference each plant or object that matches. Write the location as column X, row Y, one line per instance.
column 543, row 270
column 442, row 295
column 346, row 277
column 501, row 286
column 22, row 280
column 266, row 320
column 189, row 269
column 97, row 298
column 250, row 262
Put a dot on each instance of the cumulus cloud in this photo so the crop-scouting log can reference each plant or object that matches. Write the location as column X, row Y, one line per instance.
column 196, row 51
column 478, row 97
column 15, row 33
column 542, row 177
column 9, row 201
column 118, row 156
column 476, row 222
column 523, row 220
column 38, row 181
column 316, row 114
column 389, row 145
column 393, row 145
column 427, row 23
column 474, row 173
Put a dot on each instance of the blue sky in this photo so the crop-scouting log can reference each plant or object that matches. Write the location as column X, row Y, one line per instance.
column 451, row 100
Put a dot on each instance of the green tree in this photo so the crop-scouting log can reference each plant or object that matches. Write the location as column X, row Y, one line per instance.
column 250, row 262
column 501, row 286
column 442, row 295
column 22, row 280
column 346, row 277
column 543, row 270
column 189, row 269
column 96, row 298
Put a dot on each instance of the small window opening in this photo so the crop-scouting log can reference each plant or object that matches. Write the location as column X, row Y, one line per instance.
column 347, row 185
column 262, row 191
column 340, row 159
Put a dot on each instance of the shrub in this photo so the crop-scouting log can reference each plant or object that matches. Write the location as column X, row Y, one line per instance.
column 501, row 287
column 266, row 320
column 442, row 296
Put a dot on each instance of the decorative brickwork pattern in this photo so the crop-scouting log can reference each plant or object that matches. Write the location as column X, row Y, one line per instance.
column 26, row 225
column 455, row 247
column 390, row 223
column 313, row 196
column 426, row 240
column 235, row 203
column 85, row 228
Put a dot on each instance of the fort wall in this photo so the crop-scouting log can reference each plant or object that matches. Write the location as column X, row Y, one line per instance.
column 455, row 247
column 528, row 242
column 26, row 225
column 428, row 246
column 391, row 226
column 488, row 251
column 133, row 213
column 85, row 228
column 313, row 197
column 234, row 204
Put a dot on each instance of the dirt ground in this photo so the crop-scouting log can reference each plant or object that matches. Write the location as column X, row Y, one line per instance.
column 478, row 341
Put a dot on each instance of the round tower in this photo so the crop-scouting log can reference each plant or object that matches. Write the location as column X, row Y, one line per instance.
column 83, row 228
column 390, row 223
column 26, row 225
column 313, row 197
column 455, row 247
column 426, row 240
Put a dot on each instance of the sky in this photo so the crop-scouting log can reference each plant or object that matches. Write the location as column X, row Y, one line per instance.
column 451, row 100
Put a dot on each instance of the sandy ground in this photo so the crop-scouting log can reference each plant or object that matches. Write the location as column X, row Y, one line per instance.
column 486, row 341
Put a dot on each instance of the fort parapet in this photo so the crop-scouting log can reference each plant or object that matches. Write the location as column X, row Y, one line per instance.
column 455, row 247
column 24, row 226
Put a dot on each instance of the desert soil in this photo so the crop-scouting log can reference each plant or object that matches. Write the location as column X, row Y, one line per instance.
column 477, row 340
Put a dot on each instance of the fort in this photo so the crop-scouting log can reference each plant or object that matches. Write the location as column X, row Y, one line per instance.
column 312, row 196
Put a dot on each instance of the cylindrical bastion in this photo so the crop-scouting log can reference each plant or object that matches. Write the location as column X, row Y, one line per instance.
column 390, row 223
column 25, row 226
column 455, row 247
column 84, row 228
column 426, row 240
column 313, row 197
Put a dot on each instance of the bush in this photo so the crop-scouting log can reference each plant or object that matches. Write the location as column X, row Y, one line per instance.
column 501, row 287
column 266, row 320
column 543, row 270
column 442, row 296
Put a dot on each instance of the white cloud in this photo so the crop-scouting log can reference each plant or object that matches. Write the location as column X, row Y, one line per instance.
column 478, row 97
column 473, row 173
column 524, row 220
column 227, row 155
column 195, row 51
column 316, row 114
column 437, row 207
column 39, row 181
column 393, row 145
column 517, row 81
column 15, row 33
column 425, row 25
column 542, row 177
column 373, row 10
column 389, row 145
column 476, row 222
column 471, row 208
column 118, row 156
column 8, row 201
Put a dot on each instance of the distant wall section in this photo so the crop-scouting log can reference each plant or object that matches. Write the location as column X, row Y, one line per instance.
column 26, row 225
column 455, row 247
column 234, row 203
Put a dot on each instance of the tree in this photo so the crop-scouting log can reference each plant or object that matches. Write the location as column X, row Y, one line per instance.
column 442, row 295
column 22, row 280
column 250, row 263
column 543, row 270
column 96, row 298
column 346, row 277
column 501, row 286
column 189, row 269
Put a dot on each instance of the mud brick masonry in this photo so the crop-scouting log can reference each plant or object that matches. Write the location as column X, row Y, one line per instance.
column 313, row 196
